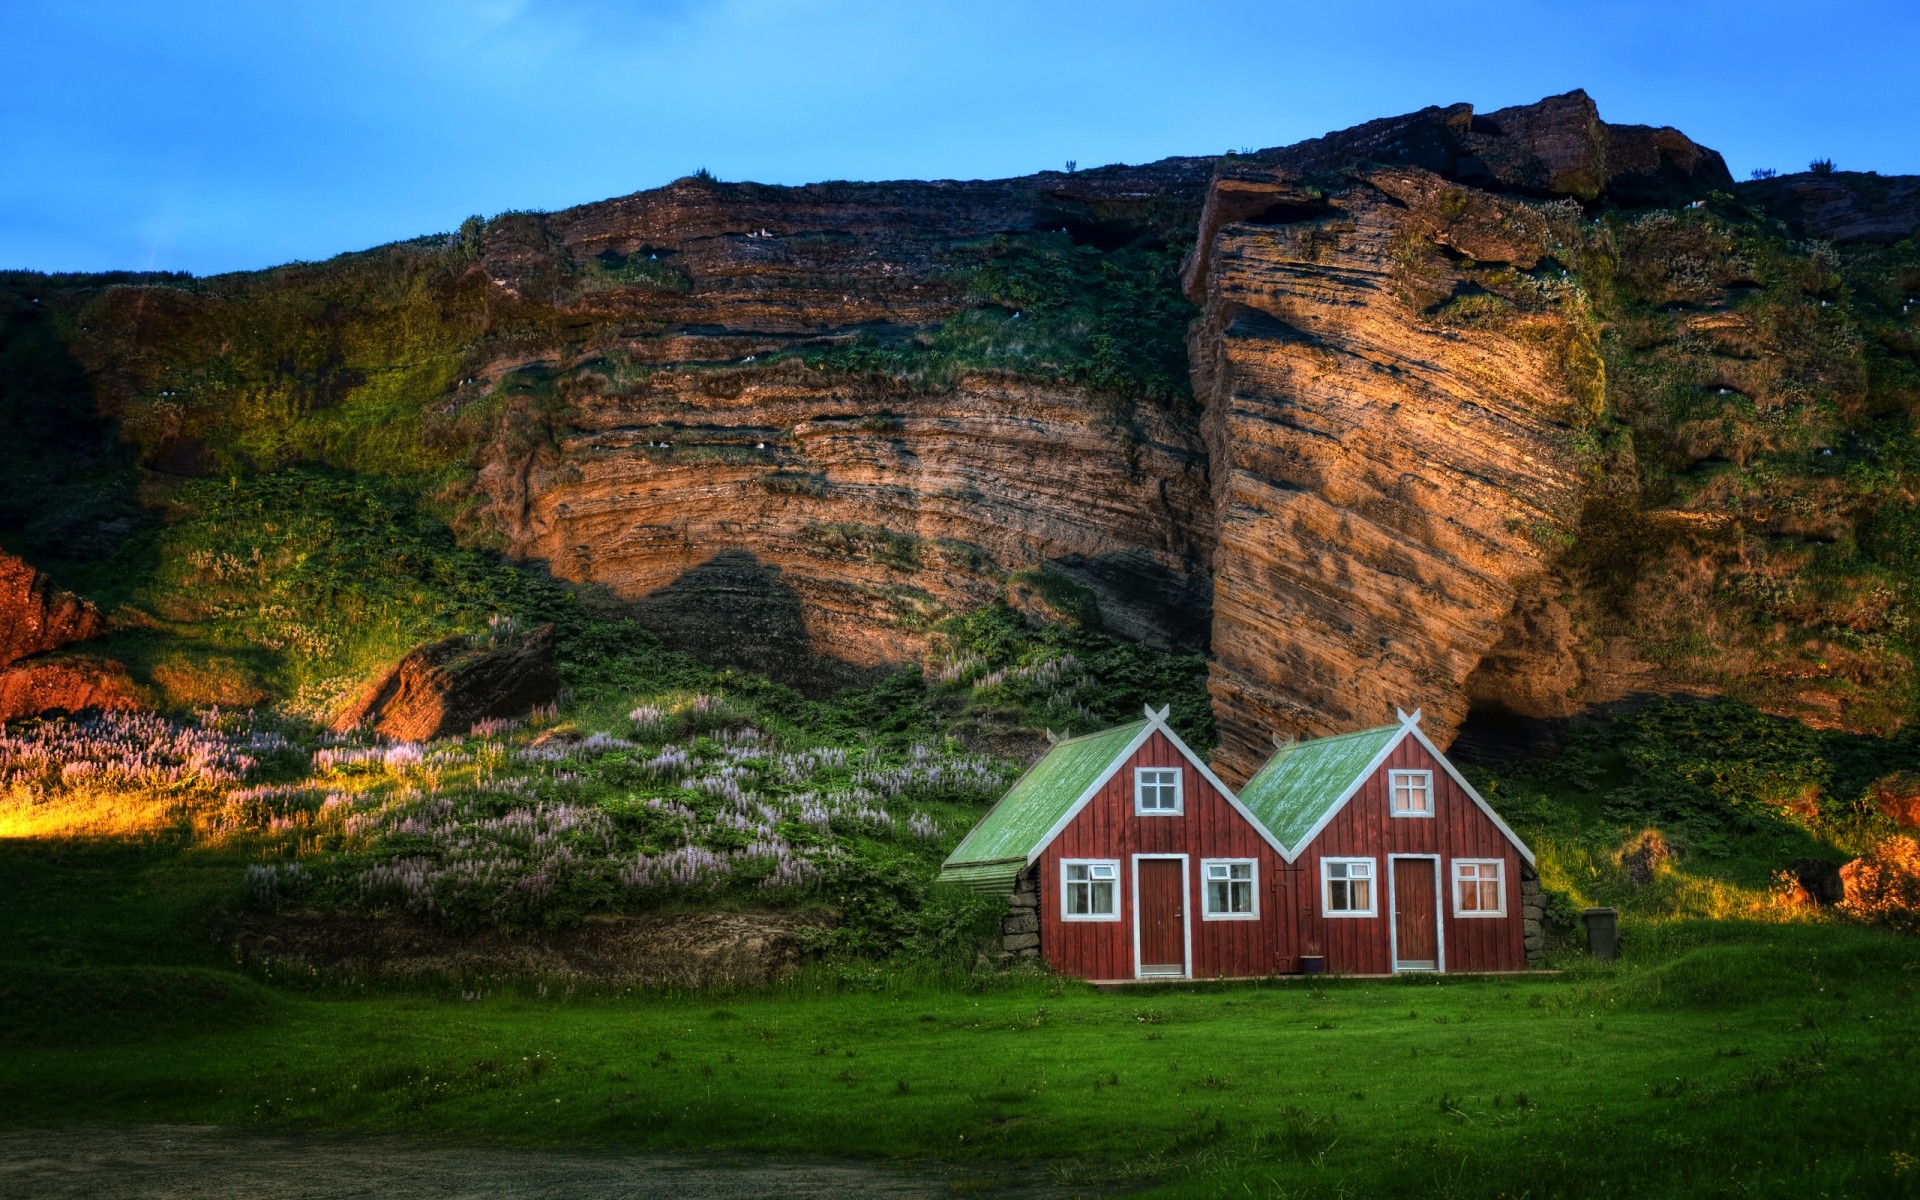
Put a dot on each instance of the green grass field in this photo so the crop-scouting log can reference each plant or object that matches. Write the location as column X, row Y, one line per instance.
column 1717, row 1058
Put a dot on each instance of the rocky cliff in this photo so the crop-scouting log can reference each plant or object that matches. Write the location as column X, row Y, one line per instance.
column 1517, row 411
column 1395, row 368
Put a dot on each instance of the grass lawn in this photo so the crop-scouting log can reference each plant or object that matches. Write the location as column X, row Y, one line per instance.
column 1715, row 1059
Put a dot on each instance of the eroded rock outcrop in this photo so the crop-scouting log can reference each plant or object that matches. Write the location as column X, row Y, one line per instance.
column 442, row 689
column 36, row 617
column 1841, row 206
column 793, row 427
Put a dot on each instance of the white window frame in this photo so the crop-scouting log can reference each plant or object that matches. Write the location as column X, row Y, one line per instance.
column 1326, row 888
column 1206, row 891
column 1066, row 884
column 1395, row 778
column 1179, row 792
column 1499, row 866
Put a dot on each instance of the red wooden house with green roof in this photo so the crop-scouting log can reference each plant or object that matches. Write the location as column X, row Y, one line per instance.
column 1125, row 857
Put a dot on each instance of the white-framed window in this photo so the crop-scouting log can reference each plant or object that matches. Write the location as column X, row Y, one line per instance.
column 1479, row 887
column 1156, row 791
column 1347, row 887
column 1230, row 889
column 1412, row 793
column 1089, row 889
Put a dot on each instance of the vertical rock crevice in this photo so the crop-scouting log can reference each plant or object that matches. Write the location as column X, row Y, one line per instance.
column 1394, row 373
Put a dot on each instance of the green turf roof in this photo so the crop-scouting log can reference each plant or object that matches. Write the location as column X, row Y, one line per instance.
column 1301, row 781
column 1015, row 827
column 985, row 877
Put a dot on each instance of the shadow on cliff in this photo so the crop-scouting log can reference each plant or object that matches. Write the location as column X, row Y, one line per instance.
column 734, row 610
column 70, row 500
column 1143, row 601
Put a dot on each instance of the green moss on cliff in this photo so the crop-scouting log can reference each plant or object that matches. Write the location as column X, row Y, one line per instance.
column 1754, row 468
column 1041, row 306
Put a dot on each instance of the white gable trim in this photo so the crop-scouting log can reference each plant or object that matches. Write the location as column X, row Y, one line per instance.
column 1333, row 810
column 1246, row 814
column 1093, row 789
column 1156, row 722
column 1410, row 727
column 1004, row 797
column 1511, row 836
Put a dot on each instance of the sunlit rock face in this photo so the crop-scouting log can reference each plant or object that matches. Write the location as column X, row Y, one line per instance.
column 65, row 684
column 1393, row 381
column 810, row 522
column 36, row 617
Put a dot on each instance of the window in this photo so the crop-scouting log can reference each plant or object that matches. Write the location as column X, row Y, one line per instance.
column 1229, row 890
column 1478, row 889
column 1156, row 791
column 1412, row 793
column 1091, row 891
column 1347, row 887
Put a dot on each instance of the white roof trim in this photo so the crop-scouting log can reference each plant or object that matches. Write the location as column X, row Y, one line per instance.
column 1246, row 814
column 1525, row 851
column 1093, row 789
column 1157, row 722
column 1365, row 773
column 1410, row 727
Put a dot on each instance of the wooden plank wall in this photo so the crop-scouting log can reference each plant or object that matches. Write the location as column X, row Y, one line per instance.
column 1365, row 828
column 1209, row 827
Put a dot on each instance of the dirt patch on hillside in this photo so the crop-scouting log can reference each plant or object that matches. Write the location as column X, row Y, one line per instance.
column 166, row 1161
column 687, row 949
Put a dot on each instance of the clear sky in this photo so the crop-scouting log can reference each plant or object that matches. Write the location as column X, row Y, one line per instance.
column 205, row 135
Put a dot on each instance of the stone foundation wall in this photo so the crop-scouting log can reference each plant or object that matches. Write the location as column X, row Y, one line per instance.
column 1020, row 928
column 1533, row 915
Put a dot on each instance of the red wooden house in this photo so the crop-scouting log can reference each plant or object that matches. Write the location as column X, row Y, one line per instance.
column 1125, row 857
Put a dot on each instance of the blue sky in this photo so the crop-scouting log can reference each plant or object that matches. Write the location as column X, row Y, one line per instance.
column 210, row 136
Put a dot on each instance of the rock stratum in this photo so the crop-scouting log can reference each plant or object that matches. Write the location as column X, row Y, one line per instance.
column 1514, row 412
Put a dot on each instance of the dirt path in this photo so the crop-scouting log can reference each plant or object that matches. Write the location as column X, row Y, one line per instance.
column 167, row 1162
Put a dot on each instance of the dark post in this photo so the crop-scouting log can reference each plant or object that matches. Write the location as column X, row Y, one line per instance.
column 1603, row 932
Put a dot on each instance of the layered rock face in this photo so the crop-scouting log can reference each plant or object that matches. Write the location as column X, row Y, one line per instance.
column 793, row 427
column 1393, row 376
column 763, row 507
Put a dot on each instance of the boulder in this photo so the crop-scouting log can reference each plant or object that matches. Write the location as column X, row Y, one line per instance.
column 441, row 689
column 63, row 685
column 1897, row 796
column 36, row 617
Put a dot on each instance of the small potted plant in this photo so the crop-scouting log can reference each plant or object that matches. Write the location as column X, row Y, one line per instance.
column 1312, row 962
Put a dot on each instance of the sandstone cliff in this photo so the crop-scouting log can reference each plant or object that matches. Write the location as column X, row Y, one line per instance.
column 752, row 449
column 1519, row 410
column 1394, row 369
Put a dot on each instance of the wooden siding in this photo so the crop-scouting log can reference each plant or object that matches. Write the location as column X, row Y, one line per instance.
column 1208, row 827
column 1364, row 828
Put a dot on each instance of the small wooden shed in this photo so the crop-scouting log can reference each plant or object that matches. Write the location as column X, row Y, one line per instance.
column 1124, row 857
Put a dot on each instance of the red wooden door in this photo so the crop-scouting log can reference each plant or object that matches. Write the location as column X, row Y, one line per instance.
column 1162, row 917
column 1416, row 919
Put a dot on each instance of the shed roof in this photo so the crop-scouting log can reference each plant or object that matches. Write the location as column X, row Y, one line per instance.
column 1017, row 826
column 1304, row 781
